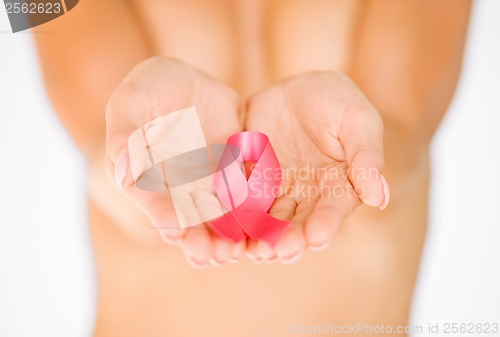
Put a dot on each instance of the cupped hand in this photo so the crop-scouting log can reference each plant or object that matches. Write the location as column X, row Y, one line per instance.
column 328, row 139
column 156, row 87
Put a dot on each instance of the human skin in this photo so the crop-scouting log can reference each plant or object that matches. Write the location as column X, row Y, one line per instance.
column 316, row 121
column 405, row 58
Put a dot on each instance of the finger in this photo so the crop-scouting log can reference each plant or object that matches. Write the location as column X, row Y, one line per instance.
column 160, row 211
column 361, row 134
column 264, row 250
column 222, row 250
column 197, row 246
column 119, row 173
column 208, row 208
column 293, row 243
column 238, row 251
column 337, row 202
column 157, row 206
column 274, row 260
column 283, row 208
column 252, row 249
column 207, row 205
column 128, row 108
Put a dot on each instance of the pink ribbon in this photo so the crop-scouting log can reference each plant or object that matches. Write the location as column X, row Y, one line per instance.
column 248, row 201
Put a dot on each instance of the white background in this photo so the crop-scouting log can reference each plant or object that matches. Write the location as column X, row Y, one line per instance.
column 46, row 263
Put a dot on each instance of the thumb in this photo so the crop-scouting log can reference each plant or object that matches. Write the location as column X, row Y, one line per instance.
column 119, row 172
column 361, row 133
column 128, row 108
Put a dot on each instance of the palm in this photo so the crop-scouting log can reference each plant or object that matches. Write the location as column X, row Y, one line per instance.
column 304, row 121
column 153, row 89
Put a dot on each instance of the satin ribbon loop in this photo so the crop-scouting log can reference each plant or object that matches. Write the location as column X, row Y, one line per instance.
column 207, row 183
column 248, row 201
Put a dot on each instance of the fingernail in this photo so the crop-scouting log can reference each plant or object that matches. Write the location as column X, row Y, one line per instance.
column 197, row 263
column 216, row 263
column 272, row 260
column 321, row 246
column 121, row 168
column 258, row 260
column 387, row 193
column 168, row 239
column 291, row 258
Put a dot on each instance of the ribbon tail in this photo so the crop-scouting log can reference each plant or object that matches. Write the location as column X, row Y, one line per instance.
column 267, row 228
column 228, row 227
